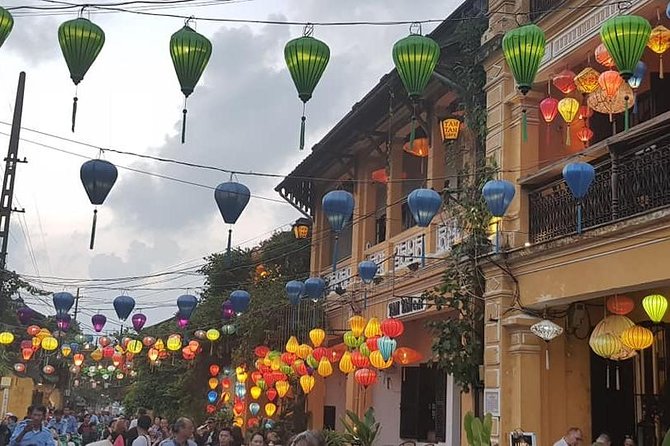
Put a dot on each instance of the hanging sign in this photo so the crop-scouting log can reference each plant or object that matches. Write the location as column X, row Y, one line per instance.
column 450, row 128
column 405, row 306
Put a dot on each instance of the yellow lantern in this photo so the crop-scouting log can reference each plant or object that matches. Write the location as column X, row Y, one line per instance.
column 450, row 128
column 270, row 409
column 213, row 334
column 659, row 42
column 568, row 108
column 357, row 324
column 242, row 377
column 239, row 421
column 174, row 343
column 307, row 383
column 43, row 333
column 255, row 392
column 292, row 345
column 49, row 343
column 6, row 338
column 96, row 354
column 213, row 383
column 637, row 337
column 324, row 369
column 282, row 388
column 605, row 345
column 377, row 360
column 65, row 350
column 276, row 363
column 587, row 80
column 36, row 342
column 655, row 305
column 303, row 351
column 159, row 345
column 373, row 328
column 78, row 359
column 134, row 347
column 346, row 366
column 317, row 335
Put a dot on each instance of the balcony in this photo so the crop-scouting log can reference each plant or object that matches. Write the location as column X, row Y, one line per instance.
column 539, row 8
column 632, row 178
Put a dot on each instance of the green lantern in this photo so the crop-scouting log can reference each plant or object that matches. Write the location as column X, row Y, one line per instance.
column 415, row 58
column 306, row 60
column 6, row 25
column 625, row 38
column 190, row 52
column 80, row 41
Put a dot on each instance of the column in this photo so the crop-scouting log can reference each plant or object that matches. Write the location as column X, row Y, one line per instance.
column 394, row 192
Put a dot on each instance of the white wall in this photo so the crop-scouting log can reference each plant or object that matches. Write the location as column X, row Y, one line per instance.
column 336, row 395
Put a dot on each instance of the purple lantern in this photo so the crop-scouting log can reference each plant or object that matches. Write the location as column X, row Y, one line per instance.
column 227, row 311
column 182, row 322
column 63, row 321
column 138, row 321
column 98, row 321
column 25, row 315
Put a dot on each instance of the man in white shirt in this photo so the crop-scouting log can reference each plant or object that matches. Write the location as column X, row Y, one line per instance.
column 572, row 438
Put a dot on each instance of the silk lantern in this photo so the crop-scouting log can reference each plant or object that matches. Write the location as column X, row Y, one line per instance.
column 637, row 337
column 568, row 108
column 306, row 59
column 190, row 53
column 585, row 135
column 317, row 335
column 357, row 325
column 6, row 338
column 587, row 80
column 603, row 56
column 386, row 346
column 498, row 195
column 123, row 305
column 392, row 327
column 579, row 177
column 655, row 305
column 98, row 321
column 377, row 360
column 637, row 78
column 372, row 328
column 620, row 304
column 338, row 206
column 270, row 409
column 367, row 270
column 549, row 109
column 80, row 41
column 231, row 199
column 240, row 300
column 359, row 360
column 307, row 383
column 659, row 42
column 565, row 81
column 98, row 177
column 325, row 369
column 424, row 204
column 625, row 37
column 345, row 365
column 610, row 81
column 282, row 388
column 6, row 25
column 295, row 290
column 406, row 356
column 365, row 377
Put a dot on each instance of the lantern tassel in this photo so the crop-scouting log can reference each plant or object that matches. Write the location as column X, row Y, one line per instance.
column 228, row 249
column 568, row 141
column 635, row 106
column 423, row 250
column 183, row 125
column 579, row 217
column 660, row 67
column 337, row 239
column 524, row 125
column 95, row 223
column 546, row 357
column 618, row 378
column 365, row 299
column 625, row 114
column 302, row 128
column 74, row 111
column 608, row 376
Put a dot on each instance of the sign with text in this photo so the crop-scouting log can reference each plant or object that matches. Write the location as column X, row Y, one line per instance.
column 405, row 306
column 450, row 128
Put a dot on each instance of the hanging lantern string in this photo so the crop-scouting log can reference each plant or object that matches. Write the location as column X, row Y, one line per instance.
column 415, row 28
column 308, row 30
column 183, row 122
column 412, row 133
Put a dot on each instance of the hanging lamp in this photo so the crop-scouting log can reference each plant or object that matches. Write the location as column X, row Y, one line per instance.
column 338, row 207
column 6, row 25
column 637, row 337
column 565, row 81
column 568, row 108
column 579, row 177
column 415, row 58
column 603, row 56
column 231, row 199
column 424, row 204
column 625, row 38
column 610, row 81
column 547, row 331
column 80, row 41
column 636, row 79
column 659, row 42
column 587, row 80
column 306, row 59
column 190, row 53
column 549, row 109
column 498, row 195
column 585, row 134
column 585, row 112
column 523, row 48
column 655, row 305
column 98, row 177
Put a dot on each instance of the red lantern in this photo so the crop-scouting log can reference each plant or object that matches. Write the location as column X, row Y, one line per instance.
column 620, row 304
column 238, row 408
column 148, row 341
column 211, row 408
column 585, row 112
column 78, row 359
column 253, row 422
column 365, row 377
column 585, row 134
column 108, row 352
column 117, row 358
column 214, row 369
column 380, row 176
column 371, row 343
column 33, row 330
column 406, row 356
column 261, row 351
column 300, row 367
column 359, row 360
column 288, row 358
column 225, row 383
column 336, row 352
column 565, row 81
column 48, row 369
column 187, row 354
column 271, row 394
column 319, row 353
column 610, row 81
column 603, row 57
column 26, row 353
column 549, row 109
column 194, row 346
column 269, row 379
column 256, row 375
column 392, row 327
column 26, row 344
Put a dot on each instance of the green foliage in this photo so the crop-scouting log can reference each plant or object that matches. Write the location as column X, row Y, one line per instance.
column 666, row 440
column 478, row 431
column 334, row 438
column 361, row 432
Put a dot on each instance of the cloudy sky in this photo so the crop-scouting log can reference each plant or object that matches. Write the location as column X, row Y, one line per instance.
column 244, row 115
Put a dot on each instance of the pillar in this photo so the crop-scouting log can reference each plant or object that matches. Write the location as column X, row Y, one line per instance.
column 394, row 192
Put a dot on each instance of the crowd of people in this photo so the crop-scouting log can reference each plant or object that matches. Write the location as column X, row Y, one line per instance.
column 574, row 437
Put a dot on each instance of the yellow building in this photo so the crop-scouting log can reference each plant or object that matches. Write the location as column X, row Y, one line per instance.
column 547, row 268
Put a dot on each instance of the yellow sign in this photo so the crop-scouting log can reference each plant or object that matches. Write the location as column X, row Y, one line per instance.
column 450, row 128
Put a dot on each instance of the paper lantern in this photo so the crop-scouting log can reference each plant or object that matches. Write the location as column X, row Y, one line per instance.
column 174, row 343
column 625, row 37
column 26, row 353
column 307, row 383
column 523, row 48
column 345, row 365
column 96, row 354
column 568, row 108
column 152, row 354
column 610, row 81
column 585, row 112
column 48, row 369
column 261, row 351
column 659, row 42
column 65, row 350
column 357, row 325
column 317, row 335
column 324, row 369
column 213, row 334
column 565, row 81
column 620, row 304
column 549, row 109
column 359, row 360
column 134, row 347
column 372, row 328
column 365, row 377
column 637, row 337
column 603, row 56
column 585, row 135
column 378, row 361
column 213, row 383
column 587, row 80
column 655, row 305
column 306, row 59
column 271, row 394
column 282, row 388
column 270, row 409
column 33, row 330
column 406, row 356
column 392, row 327
column 6, row 337
column 600, row 102
column 214, row 370
column 49, row 344
column 605, row 345
column 255, row 392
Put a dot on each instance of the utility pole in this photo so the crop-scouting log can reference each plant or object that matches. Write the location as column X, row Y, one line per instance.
column 11, row 162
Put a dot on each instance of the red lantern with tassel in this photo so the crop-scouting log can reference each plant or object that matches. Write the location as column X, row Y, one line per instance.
column 365, row 377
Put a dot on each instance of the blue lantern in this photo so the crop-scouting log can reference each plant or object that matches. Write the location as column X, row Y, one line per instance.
column 231, row 198
column 240, row 300
column 295, row 290
column 240, row 390
column 124, row 305
column 386, row 347
column 636, row 80
column 212, row 396
column 63, row 302
column 98, row 177
column 579, row 177
column 424, row 204
column 314, row 287
column 254, row 408
column 667, row 10
column 269, row 424
column 186, row 305
column 338, row 206
column 74, row 347
column 367, row 270
column 498, row 195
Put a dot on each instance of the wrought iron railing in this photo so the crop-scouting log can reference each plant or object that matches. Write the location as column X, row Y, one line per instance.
column 538, row 8
column 626, row 184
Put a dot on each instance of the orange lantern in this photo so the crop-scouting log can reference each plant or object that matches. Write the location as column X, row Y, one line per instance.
column 225, row 383
column 565, row 81
column 549, row 109
column 568, row 108
column 620, row 304
column 421, row 145
column 585, row 134
column 214, row 369
column 365, row 377
column 303, row 351
column 585, row 112
column 96, row 354
column 26, row 353
column 659, row 42
column 610, row 81
column 193, row 346
column 603, row 57
column 357, row 324
column 33, row 330
column 587, row 80
column 78, row 359
column 406, row 356
column 380, row 176
column 153, row 354
column 637, row 337
column 213, row 383
column 335, row 353
column 261, row 351
column 37, row 343
column 148, row 341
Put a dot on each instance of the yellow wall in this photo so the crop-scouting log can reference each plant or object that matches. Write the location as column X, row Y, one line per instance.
column 20, row 395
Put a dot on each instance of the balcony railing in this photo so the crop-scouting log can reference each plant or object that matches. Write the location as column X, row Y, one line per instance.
column 538, row 8
column 628, row 182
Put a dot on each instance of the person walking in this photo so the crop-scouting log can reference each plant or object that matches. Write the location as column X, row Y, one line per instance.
column 572, row 437
column 226, row 437
column 182, row 433
column 88, row 431
column 31, row 432
column 118, row 436
column 143, row 425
